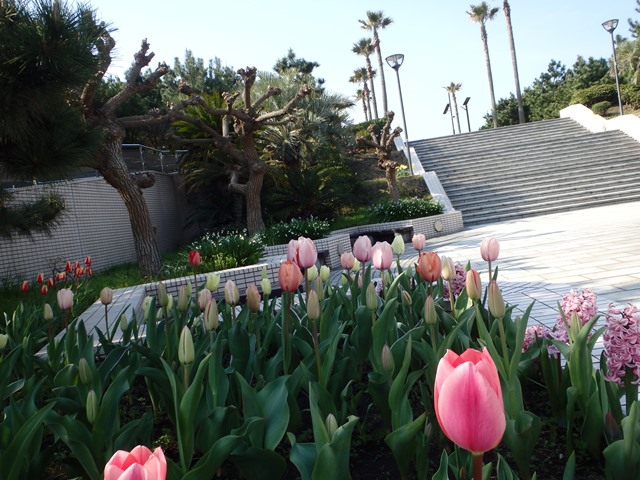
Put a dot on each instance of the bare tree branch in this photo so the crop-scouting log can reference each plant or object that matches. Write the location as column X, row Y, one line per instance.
column 303, row 92
column 104, row 60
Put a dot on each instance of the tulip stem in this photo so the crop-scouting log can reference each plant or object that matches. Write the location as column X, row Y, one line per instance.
column 316, row 341
column 285, row 333
column 185, row 375
column 477, row 466
column 503, row 340
column 452, row 302
column 433, row 339
column 106, row 321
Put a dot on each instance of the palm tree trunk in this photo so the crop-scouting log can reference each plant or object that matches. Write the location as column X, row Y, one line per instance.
column 367, row 94
column 514, row 61
column 455, row 106
column 373, row 88
column 383, row 85
column 485, row 44
column 115, row 172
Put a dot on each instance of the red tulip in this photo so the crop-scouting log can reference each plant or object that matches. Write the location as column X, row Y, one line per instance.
column 194, row 258
column 61, row 276
column 382, row 255
column 40, row 278
column 489, row 249
column 79, row 271
column 44, row 290
column 468, row 400
column 87, row 261
column 141, row 463
column 50, row 282
column 89, row 271
column 68, row 268
column 346, row 260
column 362, row 249
column 24, row 286
column 474, row 285
column 418, row 241
column 429, row 266
column 289, row 276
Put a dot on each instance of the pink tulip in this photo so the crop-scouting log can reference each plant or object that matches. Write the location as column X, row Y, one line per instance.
column 347, row 260
column 292, row 251
column 382, row 255
column 468, row 400
column 141, row 463
column 65, row 299
column 489, row 249
column 419, row 241
column 429, row 266
column 253, row 298
column 362, row 249
column 307, row 255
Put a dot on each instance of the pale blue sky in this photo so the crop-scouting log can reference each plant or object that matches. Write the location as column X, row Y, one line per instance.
column 439, row 41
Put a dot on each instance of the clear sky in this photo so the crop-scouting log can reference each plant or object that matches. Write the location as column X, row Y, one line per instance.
column 440, row 43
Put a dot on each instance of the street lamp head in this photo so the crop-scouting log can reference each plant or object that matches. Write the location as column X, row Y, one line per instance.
column 395, row 61
column 466, row 100
column 610, row 25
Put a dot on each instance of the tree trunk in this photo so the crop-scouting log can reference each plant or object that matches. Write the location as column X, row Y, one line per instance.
column 514, row 61
column 373, row 88
column 392, row 183
column 115, row 172
column 455, row 106
column 485, row 44
column 255, row 223
column 383, row 85
column 367, row 94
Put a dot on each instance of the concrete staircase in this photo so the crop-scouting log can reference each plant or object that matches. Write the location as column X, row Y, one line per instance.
column 532, row 169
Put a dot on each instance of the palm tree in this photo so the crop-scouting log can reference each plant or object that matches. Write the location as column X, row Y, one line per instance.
column 512, row 46
column 365, row 48
column 360, row 95
column 452, row 88
column 377, row 21
column 481, row 14
column 360, row 76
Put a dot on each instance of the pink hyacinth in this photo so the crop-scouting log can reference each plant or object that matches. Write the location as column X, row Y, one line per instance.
column 458, row 280
column 533, row 333
column 622, row 343
column 583, row 303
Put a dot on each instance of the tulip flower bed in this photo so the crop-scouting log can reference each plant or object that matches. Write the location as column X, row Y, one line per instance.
column 399, row 379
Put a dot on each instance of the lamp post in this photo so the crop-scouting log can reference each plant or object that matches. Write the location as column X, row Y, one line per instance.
column 395, row 62
column 610, row 26
column 448, row 108
column 466, row 109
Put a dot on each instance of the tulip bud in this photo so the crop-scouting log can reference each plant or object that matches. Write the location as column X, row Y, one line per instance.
column 371, row 298
column 346, row 260
column 253, row 298
column 362, row 248
column 448, row 269
column 44, row 290
column 331, row 424
column 160, row 314
column 163, row 296
column 231, row 293
column 50, row 282
column 87, row 261
column 356, row 265
column 65, row 299
column 289, row 276
column 264, row 272
column 319, row 288
column 194, row 258
column 265, row 284
column 40, row 278
column 474, row 285
column 496, row 302
column 47, row 312
column 489, row 249
column 212, row 282
column 183, row 298
column 204, row 297
column 386, row 358
column 123, row 322
column 324, row 273
column 406, row 299
column 398, row 245
column 92, row 406
column 68, row 267
column 313, row 306
column 4, row 339
column 170, row 301
column 146, row 305
column 106, row 296
column 84, row 371
column 312, row 273
column 344, row 280
column 430, row 315
column 24, row 286
column 186, row 353
column 211, row 316
column 418, row 241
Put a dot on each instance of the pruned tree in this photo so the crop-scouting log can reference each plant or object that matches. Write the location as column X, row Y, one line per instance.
column 247, row 117
column 382, row 143
column 98, row 115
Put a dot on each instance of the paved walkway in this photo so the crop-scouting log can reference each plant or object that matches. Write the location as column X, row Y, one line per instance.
column 542, row 258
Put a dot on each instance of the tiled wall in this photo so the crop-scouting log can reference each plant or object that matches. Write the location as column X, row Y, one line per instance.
column 95, row 223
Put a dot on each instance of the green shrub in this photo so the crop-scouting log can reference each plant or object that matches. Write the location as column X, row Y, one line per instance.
column 282, row 232
column 630, row 95
column 405, row 209
column 219, row 251
column 601, row 108
column 595, row 94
